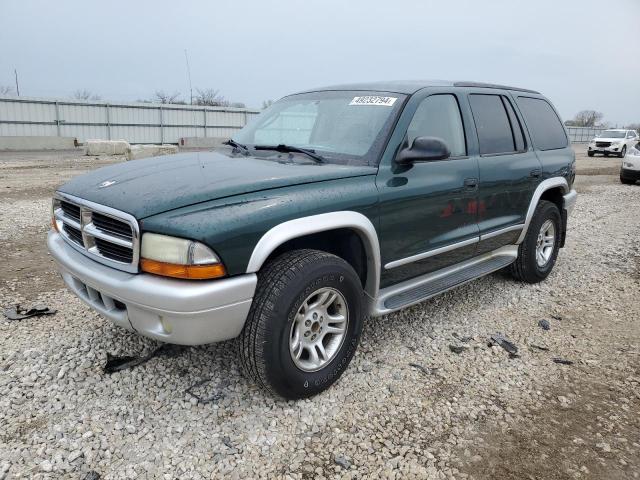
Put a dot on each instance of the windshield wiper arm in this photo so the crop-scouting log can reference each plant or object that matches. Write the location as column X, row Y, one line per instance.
column 235, row 144
column 290, row 148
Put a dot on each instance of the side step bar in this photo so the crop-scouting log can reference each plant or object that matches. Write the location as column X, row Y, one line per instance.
column 418, row 289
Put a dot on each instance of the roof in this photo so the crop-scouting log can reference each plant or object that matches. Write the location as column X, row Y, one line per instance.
column 409, row 87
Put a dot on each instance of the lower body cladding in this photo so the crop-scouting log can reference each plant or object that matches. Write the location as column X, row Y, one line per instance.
column 174, row 311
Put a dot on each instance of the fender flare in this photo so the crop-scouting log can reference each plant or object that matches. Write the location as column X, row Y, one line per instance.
column 548, row 184
column 323, row 222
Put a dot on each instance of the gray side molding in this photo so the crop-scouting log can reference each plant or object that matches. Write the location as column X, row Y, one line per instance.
column 545, row 185
column 321, row 223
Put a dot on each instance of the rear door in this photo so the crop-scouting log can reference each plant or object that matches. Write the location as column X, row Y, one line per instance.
column 509, row 170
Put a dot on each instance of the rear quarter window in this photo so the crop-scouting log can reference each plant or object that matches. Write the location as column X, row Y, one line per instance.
column 544, row 125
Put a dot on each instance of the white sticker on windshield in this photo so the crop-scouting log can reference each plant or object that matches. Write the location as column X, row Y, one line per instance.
column 374, row 100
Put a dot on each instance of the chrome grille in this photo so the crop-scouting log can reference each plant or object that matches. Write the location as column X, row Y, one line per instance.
column 102, row 233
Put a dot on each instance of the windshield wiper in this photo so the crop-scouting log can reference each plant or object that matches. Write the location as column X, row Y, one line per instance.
column 290, row 148
column 234, row 144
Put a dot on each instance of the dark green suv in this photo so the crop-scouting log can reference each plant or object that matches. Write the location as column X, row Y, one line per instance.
column 332, row 205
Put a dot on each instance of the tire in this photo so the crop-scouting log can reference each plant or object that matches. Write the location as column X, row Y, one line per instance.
column 590, row 154
column 286, row 285
column 526, row 268
column 606, row 154
column 623, row 152
column 627, row 181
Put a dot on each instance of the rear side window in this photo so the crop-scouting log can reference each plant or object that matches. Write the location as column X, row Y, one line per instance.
column 493, row 125
column 547, row 132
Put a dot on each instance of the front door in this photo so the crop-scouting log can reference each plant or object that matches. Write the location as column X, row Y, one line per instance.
column 428, row 209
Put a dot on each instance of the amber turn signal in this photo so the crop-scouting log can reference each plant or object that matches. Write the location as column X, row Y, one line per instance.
column 54, row 224
column 192, row 272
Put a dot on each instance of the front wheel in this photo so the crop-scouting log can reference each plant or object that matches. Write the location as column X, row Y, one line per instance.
column 590, row 153
column 623, row 152
column 304, row 324
column 538, row 251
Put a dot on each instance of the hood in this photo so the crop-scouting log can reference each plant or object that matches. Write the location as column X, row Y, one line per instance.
column 155, row 185
column 608, row 139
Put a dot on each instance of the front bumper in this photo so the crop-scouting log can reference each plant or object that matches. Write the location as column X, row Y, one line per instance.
column 569, row 201
column 611, row 149
column 172, row 311
column 630, row 174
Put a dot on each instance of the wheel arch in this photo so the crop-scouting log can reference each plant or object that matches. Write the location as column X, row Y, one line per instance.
column 306, row 228
column 551, row 189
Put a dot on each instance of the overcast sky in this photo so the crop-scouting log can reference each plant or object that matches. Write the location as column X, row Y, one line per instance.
column 582, row 54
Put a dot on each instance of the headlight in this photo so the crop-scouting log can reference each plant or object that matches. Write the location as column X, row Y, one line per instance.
column 179, row 258
column 615, row 144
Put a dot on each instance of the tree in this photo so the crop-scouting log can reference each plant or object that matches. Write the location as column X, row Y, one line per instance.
column 266, row 103
column 7, row 90
column 161, row 97
column 84, row 94
column 634, row 126
column 587, row 118
column 210, row 97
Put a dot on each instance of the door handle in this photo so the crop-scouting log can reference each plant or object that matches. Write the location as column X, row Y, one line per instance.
column 535, row 173
column 470, row 182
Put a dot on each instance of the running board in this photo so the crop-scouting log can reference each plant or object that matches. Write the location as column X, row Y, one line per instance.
column 421, row 288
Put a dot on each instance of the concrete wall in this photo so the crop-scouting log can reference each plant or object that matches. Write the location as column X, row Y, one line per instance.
column 37, row 143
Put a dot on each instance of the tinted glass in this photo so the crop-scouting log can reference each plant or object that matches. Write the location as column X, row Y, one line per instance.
column 492, row 123
column 516, row 128
column 347, row 127
column 439, row 116
column 547, row 132
column 609, row 133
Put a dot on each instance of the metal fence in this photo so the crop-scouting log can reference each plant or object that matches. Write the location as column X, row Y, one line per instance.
column 134, row 122
column 583, row 134
column 139, row 122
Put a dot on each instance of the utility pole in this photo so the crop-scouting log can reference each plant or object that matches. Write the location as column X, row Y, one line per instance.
column 15, row 72
column 186, row 56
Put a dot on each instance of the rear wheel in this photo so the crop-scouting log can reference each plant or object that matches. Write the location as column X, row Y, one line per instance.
column 304, row 324
column 538, row 252
column 623, row 152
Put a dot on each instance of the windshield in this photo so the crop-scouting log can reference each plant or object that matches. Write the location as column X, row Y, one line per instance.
column 612, row 134
column 347, row 127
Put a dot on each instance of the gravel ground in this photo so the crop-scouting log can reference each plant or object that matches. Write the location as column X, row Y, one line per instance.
column 407, row 407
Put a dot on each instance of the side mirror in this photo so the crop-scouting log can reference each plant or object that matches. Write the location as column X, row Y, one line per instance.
column 424, row 149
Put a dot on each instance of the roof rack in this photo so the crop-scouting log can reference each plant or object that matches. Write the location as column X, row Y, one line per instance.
column 492, row 85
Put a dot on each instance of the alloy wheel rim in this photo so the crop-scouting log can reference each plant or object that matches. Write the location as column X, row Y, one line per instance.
column 545, row 243
column 318, row 329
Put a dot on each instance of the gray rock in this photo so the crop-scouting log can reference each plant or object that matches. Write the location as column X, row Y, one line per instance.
column 343, row 461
